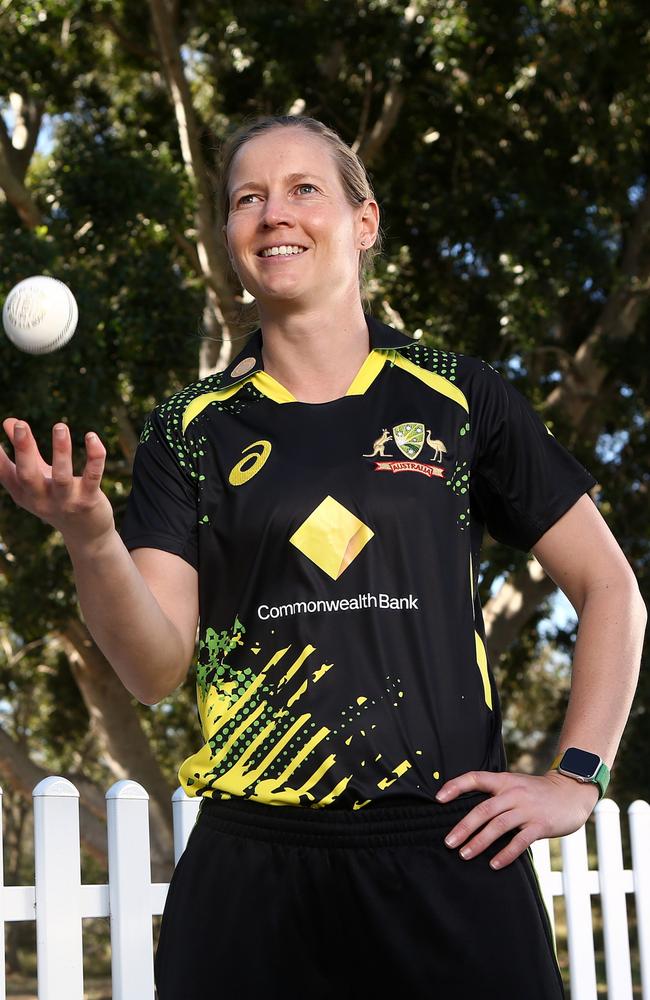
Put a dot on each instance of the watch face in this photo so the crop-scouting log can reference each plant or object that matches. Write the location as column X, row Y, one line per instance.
column 580, row 762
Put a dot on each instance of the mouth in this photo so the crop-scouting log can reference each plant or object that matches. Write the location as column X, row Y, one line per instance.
column 293, row 250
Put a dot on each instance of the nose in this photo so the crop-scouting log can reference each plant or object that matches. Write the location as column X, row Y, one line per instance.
column 277, row 211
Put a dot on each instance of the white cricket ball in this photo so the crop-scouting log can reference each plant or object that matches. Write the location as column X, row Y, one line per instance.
column 40, row 314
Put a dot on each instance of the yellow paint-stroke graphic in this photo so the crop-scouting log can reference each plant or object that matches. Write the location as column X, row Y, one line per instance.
column 398, row 771
column 241, row 779
column 481, row 659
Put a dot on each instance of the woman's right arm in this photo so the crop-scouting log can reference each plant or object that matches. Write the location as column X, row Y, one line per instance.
column 141, row 608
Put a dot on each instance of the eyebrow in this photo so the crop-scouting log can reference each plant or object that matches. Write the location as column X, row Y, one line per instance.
column 290, row 178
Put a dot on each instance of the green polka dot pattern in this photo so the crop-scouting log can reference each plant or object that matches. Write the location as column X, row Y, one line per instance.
column 443, row 363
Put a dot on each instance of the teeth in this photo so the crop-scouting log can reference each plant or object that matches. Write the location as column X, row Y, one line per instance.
column 281, row 251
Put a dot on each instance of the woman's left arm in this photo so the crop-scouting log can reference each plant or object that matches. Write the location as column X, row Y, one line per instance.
column 581, row 555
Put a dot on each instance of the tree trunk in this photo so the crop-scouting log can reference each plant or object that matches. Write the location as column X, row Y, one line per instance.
column 22, row 775
column 125, row 748
column 219, row 295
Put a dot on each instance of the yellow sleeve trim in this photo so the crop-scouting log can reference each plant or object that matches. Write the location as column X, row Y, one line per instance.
column 436, row 382
column 199, row 404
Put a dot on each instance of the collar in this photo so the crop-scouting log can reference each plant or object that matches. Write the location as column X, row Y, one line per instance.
column 249, row 360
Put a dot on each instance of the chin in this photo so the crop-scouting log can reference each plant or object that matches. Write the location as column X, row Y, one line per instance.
column 278, row 295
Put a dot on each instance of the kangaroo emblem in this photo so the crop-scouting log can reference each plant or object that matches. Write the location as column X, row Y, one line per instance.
column 437, row 445
column 378, row 445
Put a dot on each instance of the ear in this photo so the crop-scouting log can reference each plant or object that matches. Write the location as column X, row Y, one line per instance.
column 368, row 224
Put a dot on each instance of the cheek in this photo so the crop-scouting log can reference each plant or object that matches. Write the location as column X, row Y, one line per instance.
column 337, row 232
column 238, row 234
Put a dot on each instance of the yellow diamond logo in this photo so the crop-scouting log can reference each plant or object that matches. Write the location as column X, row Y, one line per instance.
column 332, row 537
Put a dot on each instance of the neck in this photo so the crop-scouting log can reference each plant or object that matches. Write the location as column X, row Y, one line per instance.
column 316, row 354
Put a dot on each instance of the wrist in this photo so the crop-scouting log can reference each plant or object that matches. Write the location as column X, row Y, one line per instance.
column 582, row 767
column 82, row 547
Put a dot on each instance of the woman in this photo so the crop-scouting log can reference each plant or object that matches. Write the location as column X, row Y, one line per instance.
column 321, row 503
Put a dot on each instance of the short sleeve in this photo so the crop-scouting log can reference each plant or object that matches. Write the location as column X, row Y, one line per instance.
column 161, row 511
column 523, row 480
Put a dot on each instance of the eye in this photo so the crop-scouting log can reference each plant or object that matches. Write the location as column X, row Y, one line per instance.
column 301, row 186
column 243, row 199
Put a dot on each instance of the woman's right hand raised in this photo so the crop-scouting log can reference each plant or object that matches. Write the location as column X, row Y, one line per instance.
column 75, row 505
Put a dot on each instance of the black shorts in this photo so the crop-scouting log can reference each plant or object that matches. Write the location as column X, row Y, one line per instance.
column 286, row 903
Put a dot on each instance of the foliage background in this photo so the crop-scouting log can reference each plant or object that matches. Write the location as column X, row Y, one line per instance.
column 508, row 145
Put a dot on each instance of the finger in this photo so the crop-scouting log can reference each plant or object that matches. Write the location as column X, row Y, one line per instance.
column 520, row 843
column 94, row 469
column 7, row 472
column 62, row 473
column 471, row 781
column 499, row 826
column 10, row 424
column 479, row 816
column 28, row 460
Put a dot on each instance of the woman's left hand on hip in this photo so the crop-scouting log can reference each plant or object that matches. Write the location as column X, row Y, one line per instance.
column 535, row 806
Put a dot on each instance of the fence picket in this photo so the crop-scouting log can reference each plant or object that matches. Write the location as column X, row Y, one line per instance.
column 3, row 985
column 185, row 811
column 129, row 866
column 612, row 895
column 59, row 901
column 582, row 960
column 542, row 862
column 639, row 818
column 57, row 856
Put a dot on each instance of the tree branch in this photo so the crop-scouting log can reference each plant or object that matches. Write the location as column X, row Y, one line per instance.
column 28, row 116
column 579, row 394
column 189, row 249
column 372, row 144
column 579, row 391
column 22, row 774
column 124, row 746
column 368, row 146
column 15, row 191
column 365, row 109
column 219, row 297
column 129, row 43
column 126, row 435
column 506, row 613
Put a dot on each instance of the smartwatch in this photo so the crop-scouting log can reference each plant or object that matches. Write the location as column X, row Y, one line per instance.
column 583, row 766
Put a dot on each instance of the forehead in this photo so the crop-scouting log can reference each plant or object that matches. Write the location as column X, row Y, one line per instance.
column 282, row 151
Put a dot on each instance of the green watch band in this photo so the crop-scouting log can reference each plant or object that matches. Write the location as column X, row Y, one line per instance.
column 584, row 766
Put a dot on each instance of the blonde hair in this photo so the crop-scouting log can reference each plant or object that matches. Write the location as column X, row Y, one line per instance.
column 354, row 178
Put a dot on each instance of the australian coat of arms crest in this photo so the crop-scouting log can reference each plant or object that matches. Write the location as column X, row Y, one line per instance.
column 410, row 437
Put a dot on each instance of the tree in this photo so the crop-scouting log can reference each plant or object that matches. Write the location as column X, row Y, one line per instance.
column 509, row 151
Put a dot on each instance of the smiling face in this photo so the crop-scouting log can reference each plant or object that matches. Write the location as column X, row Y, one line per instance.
column 292, row 235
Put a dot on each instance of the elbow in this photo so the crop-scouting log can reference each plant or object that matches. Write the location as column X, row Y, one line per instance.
column 146, row 695
column 643, row 607
column 153, row 693
column 636, row 597
column 627, row 593
column 149, row 699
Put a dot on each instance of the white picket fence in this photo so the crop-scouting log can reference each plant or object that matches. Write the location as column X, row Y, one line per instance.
column 58, row 902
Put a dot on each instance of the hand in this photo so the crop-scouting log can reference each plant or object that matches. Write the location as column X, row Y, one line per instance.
column 75, row 505
column 536, row 806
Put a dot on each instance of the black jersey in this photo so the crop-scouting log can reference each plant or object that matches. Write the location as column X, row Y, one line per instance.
column 342, row 655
